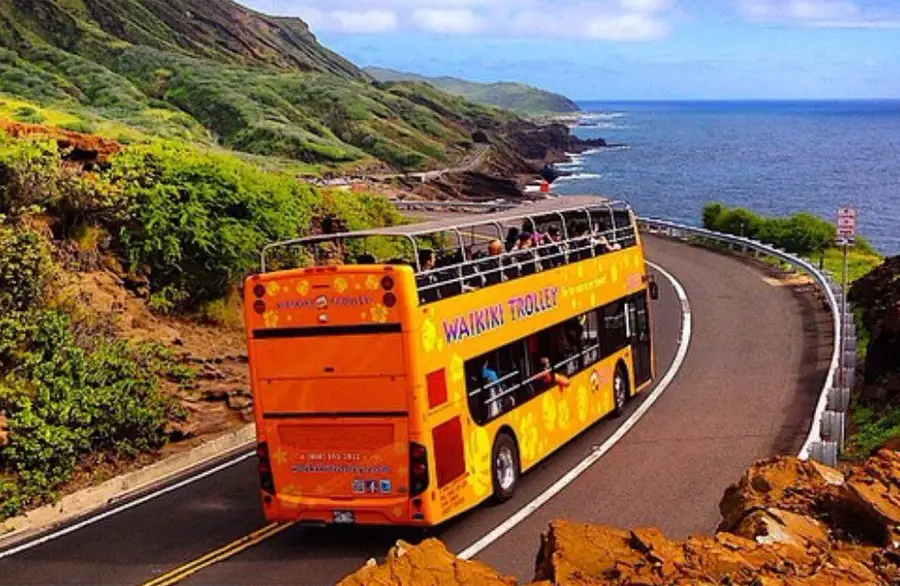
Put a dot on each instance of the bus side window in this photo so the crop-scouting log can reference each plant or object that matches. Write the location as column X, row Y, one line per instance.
column 625, row 230
column 590, row 338
column 615, row 336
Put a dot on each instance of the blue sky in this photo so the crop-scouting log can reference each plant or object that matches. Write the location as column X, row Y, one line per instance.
column 625, row 49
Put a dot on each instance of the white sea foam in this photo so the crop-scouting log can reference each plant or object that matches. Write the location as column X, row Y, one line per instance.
column 579, row 176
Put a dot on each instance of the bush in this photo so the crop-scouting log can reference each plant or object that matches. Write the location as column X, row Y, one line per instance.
column 196, row 221
column 82, row 126
column 28, row 115
column 25, row 266
column 29, row 173
column 66, row 390
column 802, row 233
column 65, row 402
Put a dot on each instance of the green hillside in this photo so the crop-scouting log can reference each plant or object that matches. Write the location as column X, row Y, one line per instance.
column 515, row 97
column 214, row 72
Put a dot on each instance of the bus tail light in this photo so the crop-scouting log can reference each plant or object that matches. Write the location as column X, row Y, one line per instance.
column 418, row 469
column 266, row 482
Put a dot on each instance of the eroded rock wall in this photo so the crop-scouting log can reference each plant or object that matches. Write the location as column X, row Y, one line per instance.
column 786, row 522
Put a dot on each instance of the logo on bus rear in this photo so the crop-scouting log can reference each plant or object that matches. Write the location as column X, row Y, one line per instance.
column 363, row 486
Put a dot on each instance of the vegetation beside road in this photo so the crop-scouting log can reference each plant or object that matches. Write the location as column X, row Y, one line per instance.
column 875, row 294
column 184, row 225
column 804, row 234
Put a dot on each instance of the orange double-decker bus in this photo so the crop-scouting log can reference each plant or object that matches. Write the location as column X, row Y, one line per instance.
column 408, row 390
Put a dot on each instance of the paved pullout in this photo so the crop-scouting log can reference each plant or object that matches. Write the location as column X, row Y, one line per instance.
column 757, row 360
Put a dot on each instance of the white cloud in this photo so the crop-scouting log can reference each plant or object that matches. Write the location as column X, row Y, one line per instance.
column 448, row 20
column 816, row 13
column 608, row 20
column 351, row 21
column 628, row 27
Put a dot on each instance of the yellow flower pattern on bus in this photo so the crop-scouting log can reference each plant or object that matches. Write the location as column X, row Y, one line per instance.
column 479, row 458
column 584, row 403
column 564, row 414
column 340, row 284
column 457, row 369
column 303, row 287
column 372, row 283
column 548, row 409
column 528, row 439
column 379, row 313
column 273, row 289
column 270, row 318
column 429, row 335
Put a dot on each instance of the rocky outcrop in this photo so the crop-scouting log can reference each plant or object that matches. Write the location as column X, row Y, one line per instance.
column 77, row 147
column 786, row 522
column 428, row 564
column 877, row 295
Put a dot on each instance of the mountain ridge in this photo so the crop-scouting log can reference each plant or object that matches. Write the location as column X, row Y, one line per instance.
column 517, row 97
column 216, row 73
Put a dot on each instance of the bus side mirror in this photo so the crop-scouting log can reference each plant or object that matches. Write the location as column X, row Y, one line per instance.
column 654, row 290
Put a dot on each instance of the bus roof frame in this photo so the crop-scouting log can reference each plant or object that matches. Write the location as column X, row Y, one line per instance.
column 528, row 210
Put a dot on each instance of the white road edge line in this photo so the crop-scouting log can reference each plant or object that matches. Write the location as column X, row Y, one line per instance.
column 590, row 460
column 129, row 505
column 501, row 529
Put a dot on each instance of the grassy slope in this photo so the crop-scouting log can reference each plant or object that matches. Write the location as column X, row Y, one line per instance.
column 212, row 72
column 517, row 97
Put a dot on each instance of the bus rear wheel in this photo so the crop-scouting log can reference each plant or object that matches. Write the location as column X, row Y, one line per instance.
column 504, row 467
column 621, row 393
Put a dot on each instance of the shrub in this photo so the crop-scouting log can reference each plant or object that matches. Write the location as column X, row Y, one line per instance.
column 64, row 402
column 711, row 213
column 197, row 221
column 802, row 233
column 28, row 115
column 79, row 126
column 25, row 266
column 29, row 173
column 66, row 390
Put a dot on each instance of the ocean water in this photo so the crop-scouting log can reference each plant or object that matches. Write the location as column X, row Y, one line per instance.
column 777, row 158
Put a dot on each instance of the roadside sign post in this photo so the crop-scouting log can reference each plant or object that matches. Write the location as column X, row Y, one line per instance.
column 846, row 236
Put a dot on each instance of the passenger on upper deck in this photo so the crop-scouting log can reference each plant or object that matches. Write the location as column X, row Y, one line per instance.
column 490, row 267
column 524, row 256
column 552, row 250
column 426, row 280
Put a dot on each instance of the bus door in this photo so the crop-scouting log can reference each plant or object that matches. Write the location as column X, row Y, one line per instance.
column 639, row 335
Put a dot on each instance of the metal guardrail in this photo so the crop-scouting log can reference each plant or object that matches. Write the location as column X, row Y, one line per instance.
column 825, row 440
column 454, row 206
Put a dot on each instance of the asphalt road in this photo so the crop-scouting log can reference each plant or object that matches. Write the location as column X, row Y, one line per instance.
column 747, row 389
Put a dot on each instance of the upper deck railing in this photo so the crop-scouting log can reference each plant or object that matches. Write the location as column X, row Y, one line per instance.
column 826, row 436
column 504, row 244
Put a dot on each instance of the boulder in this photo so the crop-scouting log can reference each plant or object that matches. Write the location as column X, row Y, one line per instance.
column 428, row 564
column 784, row 483
column 874, row 491
column 777, row 526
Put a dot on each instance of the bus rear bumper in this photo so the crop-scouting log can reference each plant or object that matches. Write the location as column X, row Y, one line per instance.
column 325, row 511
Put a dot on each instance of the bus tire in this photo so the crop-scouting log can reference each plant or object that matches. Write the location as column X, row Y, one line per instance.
column 621, row 390
column 504, row 467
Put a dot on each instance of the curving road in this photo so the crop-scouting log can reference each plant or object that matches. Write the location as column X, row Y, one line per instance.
column 747, row 389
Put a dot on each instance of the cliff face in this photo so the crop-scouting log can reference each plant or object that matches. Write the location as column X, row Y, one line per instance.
column 220, row 30
column 785, row 523
column 877, row 296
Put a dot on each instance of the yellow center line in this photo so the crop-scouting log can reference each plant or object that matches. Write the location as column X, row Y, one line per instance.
column 221, row 554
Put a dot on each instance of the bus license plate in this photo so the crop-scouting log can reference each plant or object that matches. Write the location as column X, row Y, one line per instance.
column 344, row 517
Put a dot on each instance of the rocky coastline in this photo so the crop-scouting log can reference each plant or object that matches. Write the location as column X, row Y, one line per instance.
column 786, row 522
